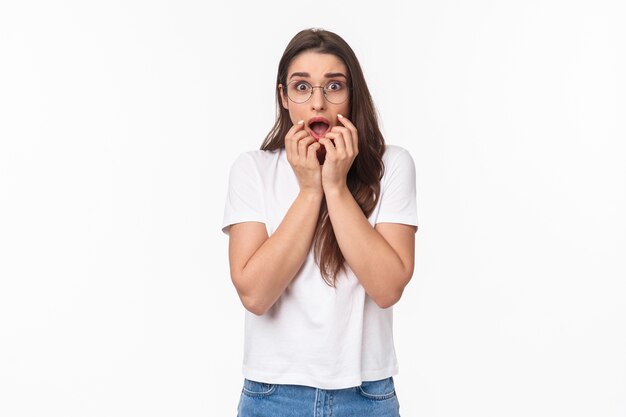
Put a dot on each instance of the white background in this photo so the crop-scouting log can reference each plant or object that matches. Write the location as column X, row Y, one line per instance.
column 119, row 121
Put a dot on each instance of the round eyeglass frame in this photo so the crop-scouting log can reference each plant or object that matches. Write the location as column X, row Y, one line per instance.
column 312, row 90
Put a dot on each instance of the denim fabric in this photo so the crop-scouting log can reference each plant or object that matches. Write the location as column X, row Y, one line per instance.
column 371, row 398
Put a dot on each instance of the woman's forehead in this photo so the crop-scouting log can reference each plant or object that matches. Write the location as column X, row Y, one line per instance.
column 316, row 65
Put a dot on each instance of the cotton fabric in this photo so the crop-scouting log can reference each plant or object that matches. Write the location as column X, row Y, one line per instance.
column 316, row 335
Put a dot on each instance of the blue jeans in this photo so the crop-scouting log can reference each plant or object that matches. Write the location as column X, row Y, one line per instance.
column 371, row 398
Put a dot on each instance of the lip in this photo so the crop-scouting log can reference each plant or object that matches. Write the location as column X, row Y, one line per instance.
column 317, row 119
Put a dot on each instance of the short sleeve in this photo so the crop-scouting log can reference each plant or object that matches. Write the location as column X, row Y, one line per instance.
column 244, row 198
column 398, row 202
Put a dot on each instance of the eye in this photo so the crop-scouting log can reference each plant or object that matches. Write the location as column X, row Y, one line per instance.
column 334, row 86
column 302, row 86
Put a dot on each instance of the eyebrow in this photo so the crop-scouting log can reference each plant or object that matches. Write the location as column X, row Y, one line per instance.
column 327, row 75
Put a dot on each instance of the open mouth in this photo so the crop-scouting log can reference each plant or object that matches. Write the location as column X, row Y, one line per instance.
column 319, row 126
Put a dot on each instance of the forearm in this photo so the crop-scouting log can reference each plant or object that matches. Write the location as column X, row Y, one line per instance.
column 374, row 262
column 272, row 267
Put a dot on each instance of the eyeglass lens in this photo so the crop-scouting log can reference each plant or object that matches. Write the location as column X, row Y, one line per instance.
column 336, row 92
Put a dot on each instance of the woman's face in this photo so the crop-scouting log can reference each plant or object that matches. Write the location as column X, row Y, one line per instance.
column 317, row 69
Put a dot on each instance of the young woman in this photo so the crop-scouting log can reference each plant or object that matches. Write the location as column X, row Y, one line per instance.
column 321, row 223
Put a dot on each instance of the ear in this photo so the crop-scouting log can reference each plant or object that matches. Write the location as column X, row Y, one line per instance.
column 284, row 100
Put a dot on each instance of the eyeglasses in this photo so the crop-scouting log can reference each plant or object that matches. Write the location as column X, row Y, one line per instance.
column 336, row 92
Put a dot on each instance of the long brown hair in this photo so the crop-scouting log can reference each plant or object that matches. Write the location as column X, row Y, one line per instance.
column 364, row 177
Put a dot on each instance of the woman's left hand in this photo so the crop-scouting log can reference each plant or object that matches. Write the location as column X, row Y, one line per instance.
column 339, row 155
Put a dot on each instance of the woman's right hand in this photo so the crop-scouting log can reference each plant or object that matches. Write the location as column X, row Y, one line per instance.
column 302, row 156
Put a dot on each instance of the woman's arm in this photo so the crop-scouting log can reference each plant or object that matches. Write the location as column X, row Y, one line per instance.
column 261, row 267
column 382, row 258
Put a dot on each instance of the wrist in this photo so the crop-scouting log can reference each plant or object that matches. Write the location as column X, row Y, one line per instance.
column 336, row 190
column 311, row 195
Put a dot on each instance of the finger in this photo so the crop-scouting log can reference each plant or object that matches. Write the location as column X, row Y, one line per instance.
column 340, row 144
column 346, row 122
column 311, row 156
column 289, row 145
column 329, row 147
column 295, row 128
column 355, row 134
column 302, row 147
column 298, row 136
column 347, row 136
column 293, row 142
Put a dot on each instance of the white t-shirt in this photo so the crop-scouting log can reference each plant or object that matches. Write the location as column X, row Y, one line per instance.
column 316, row 335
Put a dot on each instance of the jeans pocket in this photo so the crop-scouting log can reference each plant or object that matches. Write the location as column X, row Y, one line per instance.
column 257, row 389
column 383, row 389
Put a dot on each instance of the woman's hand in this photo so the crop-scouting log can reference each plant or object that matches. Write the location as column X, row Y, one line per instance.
column 302, row 156
column 339, row 155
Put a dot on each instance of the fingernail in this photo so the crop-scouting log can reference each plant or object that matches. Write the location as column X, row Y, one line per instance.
column 300, row 122
column 340, row 116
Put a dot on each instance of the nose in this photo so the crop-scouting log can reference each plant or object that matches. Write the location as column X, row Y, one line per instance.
column 318, row 101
